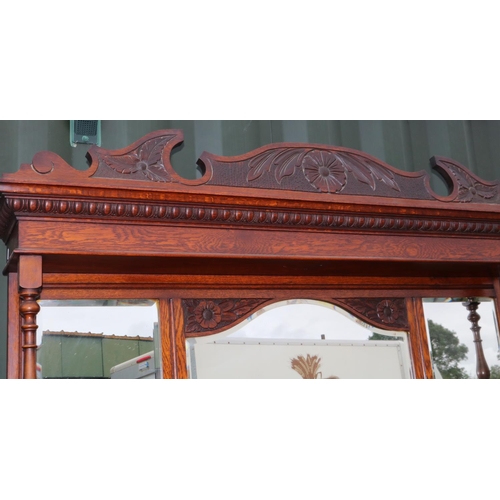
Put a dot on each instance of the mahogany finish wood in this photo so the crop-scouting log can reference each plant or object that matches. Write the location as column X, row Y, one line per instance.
column 283, row 221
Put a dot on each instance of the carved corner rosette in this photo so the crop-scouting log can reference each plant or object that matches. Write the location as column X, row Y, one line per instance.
column 208, row 316
column 147, row 159
column 385, row 313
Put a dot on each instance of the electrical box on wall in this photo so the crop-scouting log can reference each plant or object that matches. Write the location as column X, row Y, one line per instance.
column 85, row 132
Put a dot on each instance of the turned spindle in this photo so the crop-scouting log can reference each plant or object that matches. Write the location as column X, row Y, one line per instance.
column 482, row 369
column 28, row 309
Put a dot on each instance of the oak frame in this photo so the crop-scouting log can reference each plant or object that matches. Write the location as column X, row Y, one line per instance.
column 284, row 221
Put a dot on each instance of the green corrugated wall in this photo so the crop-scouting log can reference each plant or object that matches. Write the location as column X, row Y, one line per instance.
column 86, row 357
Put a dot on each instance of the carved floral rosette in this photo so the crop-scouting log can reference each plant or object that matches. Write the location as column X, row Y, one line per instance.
column 207, row 316
column 388, row 313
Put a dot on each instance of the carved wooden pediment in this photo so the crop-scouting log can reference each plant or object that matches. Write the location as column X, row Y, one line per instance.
column 283, row 166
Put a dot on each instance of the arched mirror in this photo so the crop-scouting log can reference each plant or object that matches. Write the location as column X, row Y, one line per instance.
column 300, row 339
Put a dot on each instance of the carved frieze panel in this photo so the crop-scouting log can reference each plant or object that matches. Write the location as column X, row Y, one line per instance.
column 208, row 316
column 318, row 169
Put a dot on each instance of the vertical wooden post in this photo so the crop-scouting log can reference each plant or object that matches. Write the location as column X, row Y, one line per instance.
column 14, row 349
column 482, row 369
column 179, row 338
column 419, row 344
column 30, row 286
column 173, row 342
column 496, row 301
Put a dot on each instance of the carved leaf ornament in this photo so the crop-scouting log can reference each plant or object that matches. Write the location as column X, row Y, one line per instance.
column 468, row 188
column 146, row 159
column 326, row 171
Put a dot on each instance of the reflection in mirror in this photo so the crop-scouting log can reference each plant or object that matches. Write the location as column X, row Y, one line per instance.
column 300, row 339
column 452, row 341
column 98, row 339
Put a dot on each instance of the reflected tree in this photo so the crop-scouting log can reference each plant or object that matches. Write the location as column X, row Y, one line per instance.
column 447, row 351
column 495, row 370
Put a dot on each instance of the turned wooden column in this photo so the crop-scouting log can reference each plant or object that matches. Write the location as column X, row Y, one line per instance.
column 30, row 286
column 482, row 369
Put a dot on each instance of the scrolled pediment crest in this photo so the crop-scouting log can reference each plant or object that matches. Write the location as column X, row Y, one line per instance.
column 325, row 170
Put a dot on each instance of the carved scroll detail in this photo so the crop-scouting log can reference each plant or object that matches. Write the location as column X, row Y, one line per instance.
column 389, row 314
column 206, row 316
column 145, row 161
column 465, row 186
column 482, row 369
